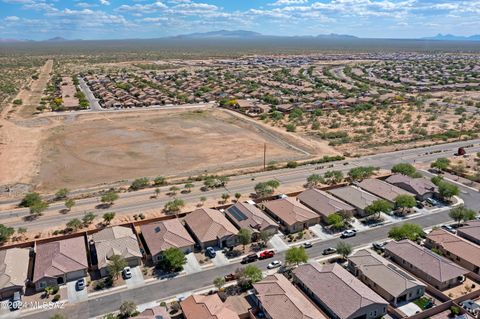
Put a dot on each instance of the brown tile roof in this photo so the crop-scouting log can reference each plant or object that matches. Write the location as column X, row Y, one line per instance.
column 248, row 216
column 206, row 307
column 14, row 267
column 116, row 240
column 383, row 273
column 419, row 186
column 281, row 300
column 471, row 229
column 354, row 196
column 162, row 235
column 456, row 245
column 290, row 210
column 338, row 289
column 209, row 224
column 157, row 312
column 60, row 257
column 427, row 261
column 322, row 202
column 382, row 189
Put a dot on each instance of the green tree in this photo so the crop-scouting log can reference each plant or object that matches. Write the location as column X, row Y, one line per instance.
column 441, row 163
column 21, row 231
column 219, row 282
column 69, row 203
column 62, row 193
column 253, row 273
column 405, row 201
column 174, row 190
column 406, row 231
column 223, row 180
column 116, row 263
column 189, row 187
column 437, row 180
column 30, row 199
column 461, row 213
column 173, row 259
column 336, row 221
column 333, row 177
column 314, row 180
column 448, row 190
column 88, row 218
column 405, row 169
column 245, row 237
column 266, row 188
column 209, row 182
column 296, row 256
column 5, row 233
column 344, row 249
column 109, row 197
column 265, row 236
column 377, row 207
column 203, row 199
column 237, row 196
column 139, row 183
column 361, row 172
column 160, row 181
column 58, row 316
column 174, row 206
column 157, row 192
column 37, row 208
column 108, row 217
column 127, row 308
column 74, row 224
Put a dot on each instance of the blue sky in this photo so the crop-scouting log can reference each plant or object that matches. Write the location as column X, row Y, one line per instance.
column 113, row 19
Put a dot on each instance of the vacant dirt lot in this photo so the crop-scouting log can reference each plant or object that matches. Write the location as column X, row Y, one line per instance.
column 95, row 149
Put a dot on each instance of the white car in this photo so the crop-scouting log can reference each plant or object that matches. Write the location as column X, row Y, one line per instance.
column 127, row 273
column 348, row 233
column 274, row 264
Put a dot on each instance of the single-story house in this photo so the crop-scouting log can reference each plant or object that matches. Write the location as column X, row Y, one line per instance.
column 434, row 269
column 323, row 203
column 116, row 240
column 354, row 196
column 461, row 251
column 470, row 231
column 249, row 216
column 421, row 187
column 383, row 277
column 278, row 298
column 13, row 271
column 162, row 235
column 209, row 227
column 338, row 292
column 157, row 312
column 58, row 262
column 382, row 189
column 206, row 307
column 292, row 215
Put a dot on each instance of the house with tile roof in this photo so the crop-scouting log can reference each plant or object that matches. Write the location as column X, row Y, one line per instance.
column 278, row 298
column 382, row 189
column 386, row 279
column 249, row 216
column 291, row 215
column 338, row 292
column 470, row 231
column 58, row 262
column 13, row 271
column 206, row 307
column 323, row 203
column 162, row 235
column 354, row 196
column 421, row 187
column 116, row 240
column 157, row 312
column 209, row 227
column 433, row 269
column 461, row 251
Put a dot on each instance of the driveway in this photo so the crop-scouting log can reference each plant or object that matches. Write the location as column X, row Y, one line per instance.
column 137, row 278
column 5, row 312
column 192, row 264
column 75, row 296
column 319, row 232
column 277, row 243
column 220, row 259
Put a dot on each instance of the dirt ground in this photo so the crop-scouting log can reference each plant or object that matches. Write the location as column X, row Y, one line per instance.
column 95, row 149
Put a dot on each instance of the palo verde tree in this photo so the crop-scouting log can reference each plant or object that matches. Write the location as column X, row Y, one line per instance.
column 296, row 256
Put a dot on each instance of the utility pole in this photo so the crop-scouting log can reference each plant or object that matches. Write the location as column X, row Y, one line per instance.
column 264, row 156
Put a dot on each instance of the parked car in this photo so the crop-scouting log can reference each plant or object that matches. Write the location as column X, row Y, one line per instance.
column 471, row 306
column 81, row 284
column 379, row 246
column 266, row 254
column 348, row 233
column 210, row 252
column 420, row 205
column 449, row 228
column 16, row 301
column 249, row 259
column 127, row 273
column 230, row 277
column 274, row 264
column 432, row 201
column 329, row 251
column 307, row 244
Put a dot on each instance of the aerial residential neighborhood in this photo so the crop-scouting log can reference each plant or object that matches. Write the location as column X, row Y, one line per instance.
column 213, row 159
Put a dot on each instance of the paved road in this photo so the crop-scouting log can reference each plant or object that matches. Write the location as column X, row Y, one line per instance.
column 94, row 105
column 158, row 290
column 136, row 202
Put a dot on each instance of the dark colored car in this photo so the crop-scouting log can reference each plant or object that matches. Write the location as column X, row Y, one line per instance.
column 210, row 252
column 230, row 277
column 249, row 259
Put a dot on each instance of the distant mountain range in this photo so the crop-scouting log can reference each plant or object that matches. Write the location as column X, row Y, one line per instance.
column 243, row 34
column 451, row 37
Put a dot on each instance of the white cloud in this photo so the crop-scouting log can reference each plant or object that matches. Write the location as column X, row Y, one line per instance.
column 105, row 2
column 288, row 2
column 12, row 19
column 144, row 8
